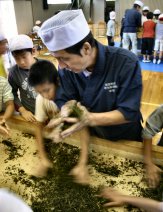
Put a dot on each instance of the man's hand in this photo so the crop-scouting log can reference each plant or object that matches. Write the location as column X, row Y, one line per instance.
column 83, row 122
column 80, row 174
column 4, row 129
column 67, row 108
column 28, row 116
column 115, row 198
column 153, row 174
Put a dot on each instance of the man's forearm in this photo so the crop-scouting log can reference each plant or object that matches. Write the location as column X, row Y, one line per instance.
column 143, row 203
column 114, row 117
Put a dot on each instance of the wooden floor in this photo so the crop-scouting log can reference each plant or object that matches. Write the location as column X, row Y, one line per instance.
column 152, row 85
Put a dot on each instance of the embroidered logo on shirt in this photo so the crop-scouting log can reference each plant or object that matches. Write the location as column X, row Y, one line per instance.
column 110, row 86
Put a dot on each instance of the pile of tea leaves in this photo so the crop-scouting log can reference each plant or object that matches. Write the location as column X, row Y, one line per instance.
column 57, row 191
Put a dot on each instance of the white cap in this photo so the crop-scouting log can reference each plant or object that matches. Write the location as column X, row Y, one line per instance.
column 2, row 37
column 64, row 30
column 145, row 8
column 112, row 15
column 160, row 17
column 140, row 3
column 20, row 42
column 157, row 12
column 38, row 22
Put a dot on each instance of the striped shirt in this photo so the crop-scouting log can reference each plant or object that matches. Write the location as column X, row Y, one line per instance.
column 5, row 92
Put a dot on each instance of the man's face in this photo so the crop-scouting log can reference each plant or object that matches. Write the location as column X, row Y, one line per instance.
column 24, row 60
column 73, row 62
column 3, row 46
column 47, row 90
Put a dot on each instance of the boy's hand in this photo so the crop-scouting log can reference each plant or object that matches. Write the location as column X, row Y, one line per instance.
column 80, row 174
column 153, row 174
column 115, row 198
column 4, row 129
column 28, row 116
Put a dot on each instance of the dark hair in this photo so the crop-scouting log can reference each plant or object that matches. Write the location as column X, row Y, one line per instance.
column 18, row 52
column 41, row 72
column 150, row 15
column 75, row 49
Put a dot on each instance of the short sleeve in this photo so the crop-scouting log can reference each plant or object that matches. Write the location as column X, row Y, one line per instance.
column 45, row 109
column 154, row 124
column 130, row 90
column 7, row 92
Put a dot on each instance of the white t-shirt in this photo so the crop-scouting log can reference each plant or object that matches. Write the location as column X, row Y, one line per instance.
column 45, row 109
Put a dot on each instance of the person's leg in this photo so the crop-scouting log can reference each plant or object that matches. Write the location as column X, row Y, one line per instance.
column 156, row 47
column 143, row 50
column 80, row 171
column 161, row 51
column 126, row 41
column 133, row 38
column 150, row 48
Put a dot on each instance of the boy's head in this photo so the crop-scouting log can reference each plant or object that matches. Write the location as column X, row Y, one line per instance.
column 22, row 50
column 161, row 18
column 150, row 15
column 156, row 13
column 43, row 76
column 3, row 44
column 145, row 10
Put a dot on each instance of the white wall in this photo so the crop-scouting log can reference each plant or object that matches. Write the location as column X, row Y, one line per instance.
column 8, row 25
column 24, row 16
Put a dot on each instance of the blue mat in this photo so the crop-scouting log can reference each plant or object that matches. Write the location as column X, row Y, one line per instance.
column 147, row 66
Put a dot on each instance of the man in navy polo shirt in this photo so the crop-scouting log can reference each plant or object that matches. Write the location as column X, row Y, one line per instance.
column 106, row 80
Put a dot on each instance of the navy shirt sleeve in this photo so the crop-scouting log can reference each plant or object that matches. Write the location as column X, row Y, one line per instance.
column 130, row 90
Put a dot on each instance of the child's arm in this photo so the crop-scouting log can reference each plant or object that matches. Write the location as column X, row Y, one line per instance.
column 45, row 163
column 152, row 171
column 26, row 114
column 117, row 199
column 153, row 126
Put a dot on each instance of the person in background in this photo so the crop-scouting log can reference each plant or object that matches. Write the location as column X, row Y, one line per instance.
column 158, row 40
column 140, row 29
column 44, row 78
column 145, row 11
column 117, row 199
column 148, row 38
column 22, row 50
column 10, row 202
column 131, row 23
column 3, row 50
column 154, row 125
column 111, row 28
column 6, row 105
column 95, row 76
column 37, row 26
column 156, row 14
